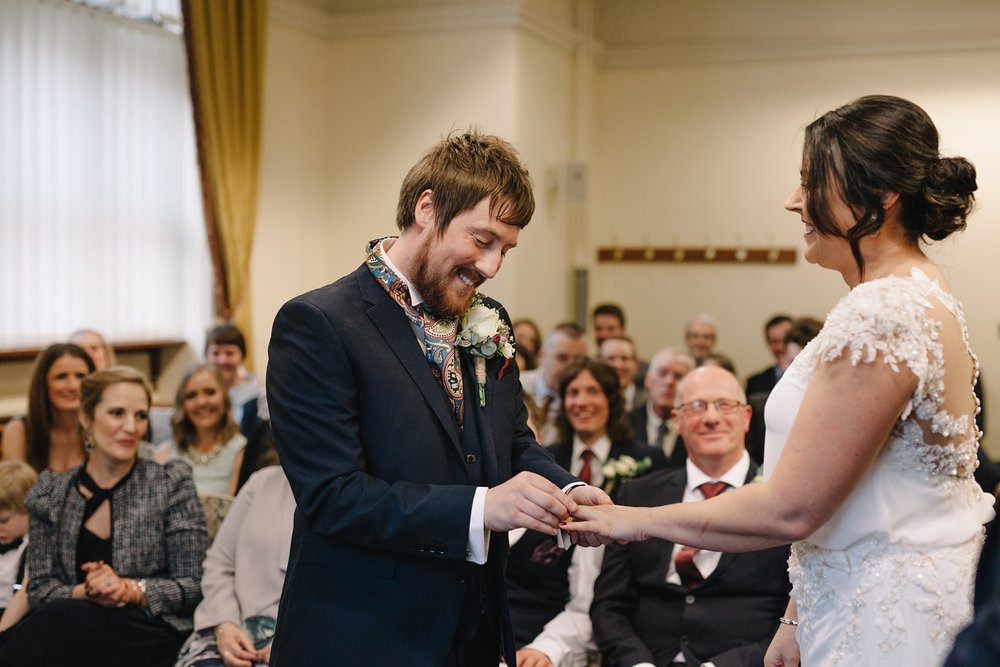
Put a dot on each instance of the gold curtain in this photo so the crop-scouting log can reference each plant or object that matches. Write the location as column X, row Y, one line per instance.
column 224, row 40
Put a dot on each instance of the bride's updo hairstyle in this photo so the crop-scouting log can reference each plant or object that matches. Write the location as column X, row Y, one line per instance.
column 879, row 144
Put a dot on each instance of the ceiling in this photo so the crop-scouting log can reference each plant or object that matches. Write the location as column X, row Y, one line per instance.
column 632, row 24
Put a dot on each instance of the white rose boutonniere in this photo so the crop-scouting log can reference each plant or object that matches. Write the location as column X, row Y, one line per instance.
column 484, row 334
column 624, row 467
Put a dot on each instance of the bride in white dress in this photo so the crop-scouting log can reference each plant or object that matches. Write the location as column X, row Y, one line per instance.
column 871, row 436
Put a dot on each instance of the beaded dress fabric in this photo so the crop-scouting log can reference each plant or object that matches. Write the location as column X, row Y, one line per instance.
column 888, row 579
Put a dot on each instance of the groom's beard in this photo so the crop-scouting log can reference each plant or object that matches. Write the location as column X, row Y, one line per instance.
column 438, row 284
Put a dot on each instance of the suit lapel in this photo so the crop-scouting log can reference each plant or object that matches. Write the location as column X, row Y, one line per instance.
column 392, row 323
column 673, row 492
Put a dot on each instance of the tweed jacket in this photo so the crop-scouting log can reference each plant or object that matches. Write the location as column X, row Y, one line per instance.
column 157, row 534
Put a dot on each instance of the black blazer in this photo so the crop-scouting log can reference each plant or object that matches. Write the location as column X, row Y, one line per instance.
column 639, row 617
column 563, row 455
column 639, row 419
column 762, row 382
column 384, row 480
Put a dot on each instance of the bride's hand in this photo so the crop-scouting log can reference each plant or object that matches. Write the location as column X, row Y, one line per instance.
column 611, row 522
column 784, row 649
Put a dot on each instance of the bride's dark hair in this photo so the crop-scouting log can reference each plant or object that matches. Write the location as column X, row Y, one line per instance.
column 879, row 144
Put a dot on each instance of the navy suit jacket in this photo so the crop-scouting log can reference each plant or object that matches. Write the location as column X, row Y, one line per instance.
column 639, row 617
column 383, row 480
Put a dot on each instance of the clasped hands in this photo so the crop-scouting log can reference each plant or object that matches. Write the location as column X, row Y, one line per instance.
column 236, row 646
column 106, row 588
column 528, row 500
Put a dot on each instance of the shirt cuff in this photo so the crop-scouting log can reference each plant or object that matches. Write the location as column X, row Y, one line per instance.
column 479, row 537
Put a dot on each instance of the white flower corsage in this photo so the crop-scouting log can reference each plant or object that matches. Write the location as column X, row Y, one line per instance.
column 624, row 467
column 484, row 334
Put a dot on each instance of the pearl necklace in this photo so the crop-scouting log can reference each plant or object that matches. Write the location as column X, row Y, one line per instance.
column 204, row 459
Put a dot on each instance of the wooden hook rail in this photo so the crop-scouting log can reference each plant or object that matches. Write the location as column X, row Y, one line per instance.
column 697, row 255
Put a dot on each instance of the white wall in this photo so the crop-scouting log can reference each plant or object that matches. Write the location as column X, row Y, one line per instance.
column 688, row 154
column 708, row 154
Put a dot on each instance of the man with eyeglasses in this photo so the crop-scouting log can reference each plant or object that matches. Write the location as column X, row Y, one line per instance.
column 659, row 603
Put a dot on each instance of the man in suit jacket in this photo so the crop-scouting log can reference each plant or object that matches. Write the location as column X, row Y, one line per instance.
column 652, row 421
column 564, row 345
column 619, row 353
column 410, row 457
column 774, row 333
column 650, row 607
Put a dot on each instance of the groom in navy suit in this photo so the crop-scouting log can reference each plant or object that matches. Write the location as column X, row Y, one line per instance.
column 408, row 450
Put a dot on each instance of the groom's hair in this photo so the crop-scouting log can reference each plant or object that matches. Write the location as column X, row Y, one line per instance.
column 461, row 171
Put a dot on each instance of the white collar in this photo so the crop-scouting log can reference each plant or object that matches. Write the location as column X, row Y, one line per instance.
column 415, row 298
column 601, row 448
column 653, row 418
column 735, row 476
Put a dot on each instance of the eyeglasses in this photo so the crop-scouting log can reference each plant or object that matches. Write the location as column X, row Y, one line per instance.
column 699, row 407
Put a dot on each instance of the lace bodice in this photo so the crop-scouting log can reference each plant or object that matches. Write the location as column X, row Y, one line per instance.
column 930, row 456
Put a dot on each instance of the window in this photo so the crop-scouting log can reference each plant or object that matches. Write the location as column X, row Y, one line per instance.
column 100, row 210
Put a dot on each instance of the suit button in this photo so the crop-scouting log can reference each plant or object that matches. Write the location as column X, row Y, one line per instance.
column 459, row 579
column 688, row 599
column 470, row 458
column 684, row 640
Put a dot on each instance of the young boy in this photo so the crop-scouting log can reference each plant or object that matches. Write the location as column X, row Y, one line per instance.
column 16, row 478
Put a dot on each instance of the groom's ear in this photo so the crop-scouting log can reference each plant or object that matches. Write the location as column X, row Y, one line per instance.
column 424, row 214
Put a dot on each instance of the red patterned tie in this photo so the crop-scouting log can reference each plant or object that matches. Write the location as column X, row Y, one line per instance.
column 684, row 562
column 585, row 472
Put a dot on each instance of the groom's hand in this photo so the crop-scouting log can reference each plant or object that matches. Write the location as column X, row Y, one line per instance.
column 586, row 494
column 528, row 501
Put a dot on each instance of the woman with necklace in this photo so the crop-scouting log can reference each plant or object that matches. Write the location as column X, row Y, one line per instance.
column 49, row 436
column 116, row 544
column 205, row 435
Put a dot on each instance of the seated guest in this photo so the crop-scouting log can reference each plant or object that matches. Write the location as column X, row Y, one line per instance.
column 226, row 349
column 564, row 345
column 16, row 479
column 700, row 336
column 102, row 354
column 652, row 422
column 244, row 572
column 803, row 330
column 619, row 353
column 50, row 437
column 260, row 451
column 721, row 360
column 774, row 333
column 528, row 342
column 205, row 435
column 549, row 589
column 800, row 332
column 114, row 560
column 609, row 322
column 594, row 429
column 658, row 603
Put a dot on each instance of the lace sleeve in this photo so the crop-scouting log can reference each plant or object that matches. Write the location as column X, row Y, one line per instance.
column 886, row 320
